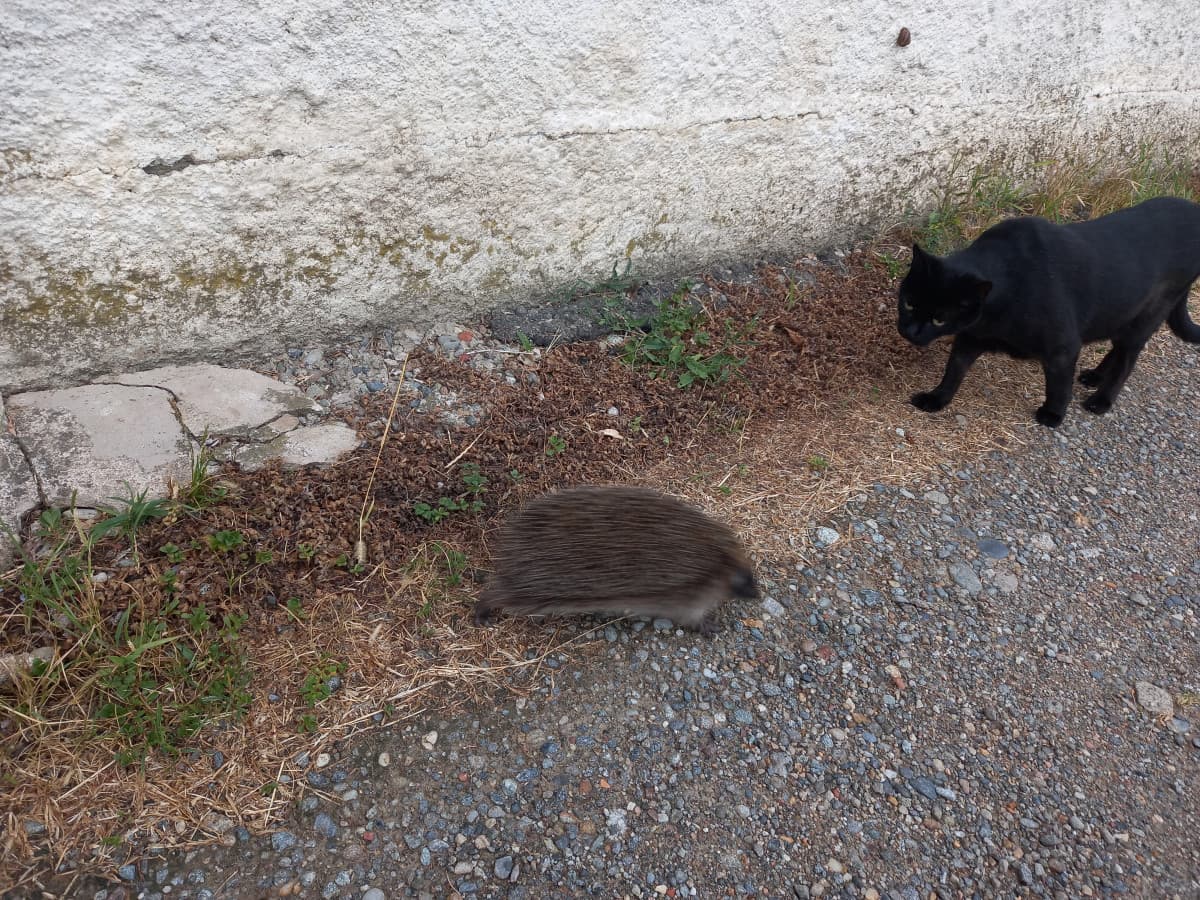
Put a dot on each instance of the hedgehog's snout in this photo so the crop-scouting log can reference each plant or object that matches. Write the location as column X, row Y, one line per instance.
column 744, row 585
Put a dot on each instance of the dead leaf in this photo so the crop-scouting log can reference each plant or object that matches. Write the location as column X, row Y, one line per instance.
column 795, row 338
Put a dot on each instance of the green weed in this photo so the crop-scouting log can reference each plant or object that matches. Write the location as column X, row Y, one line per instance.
column 609, row 288
column 319, row 684
column 203, row 489
column 161, row 679
column 226, row 541
column 469, row 500
column 137, row 512
column 675, row 344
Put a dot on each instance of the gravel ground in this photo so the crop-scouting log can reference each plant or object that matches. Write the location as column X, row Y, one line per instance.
column 943, row 700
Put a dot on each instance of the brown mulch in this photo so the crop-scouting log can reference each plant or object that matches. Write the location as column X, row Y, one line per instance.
column 816, row 412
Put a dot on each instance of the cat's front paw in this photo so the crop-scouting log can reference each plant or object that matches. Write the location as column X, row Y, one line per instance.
column 1048, row 417
column 1090, row 377
column 1097, row 404
column 929, row 401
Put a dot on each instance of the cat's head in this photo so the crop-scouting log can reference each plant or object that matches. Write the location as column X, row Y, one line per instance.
column 935, row 299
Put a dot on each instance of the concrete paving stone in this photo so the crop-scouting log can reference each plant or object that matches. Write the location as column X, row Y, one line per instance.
column 220, row 400
column 311, row 445
column 96, row 439
column 18, row 490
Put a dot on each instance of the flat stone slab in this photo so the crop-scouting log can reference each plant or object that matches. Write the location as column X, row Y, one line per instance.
column 18, row 490
column 92, row 440
column 220, row 400
column 310, row 445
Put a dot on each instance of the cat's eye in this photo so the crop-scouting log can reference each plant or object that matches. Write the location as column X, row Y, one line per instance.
column 906, row 306
column 938, row 323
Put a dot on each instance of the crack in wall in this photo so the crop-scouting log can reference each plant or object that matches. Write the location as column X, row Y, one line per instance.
column 162, row 168
column 158, row 167
column 687, row 126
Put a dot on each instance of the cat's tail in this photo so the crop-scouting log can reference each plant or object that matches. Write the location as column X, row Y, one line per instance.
column 1181, row 323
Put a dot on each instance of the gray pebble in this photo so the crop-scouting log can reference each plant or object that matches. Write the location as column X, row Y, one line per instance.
column 282, row 840
column 964, row 576
column 324, row 825
column 993, row 548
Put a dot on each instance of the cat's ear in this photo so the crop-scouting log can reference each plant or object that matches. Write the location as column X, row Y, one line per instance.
column 919, row 256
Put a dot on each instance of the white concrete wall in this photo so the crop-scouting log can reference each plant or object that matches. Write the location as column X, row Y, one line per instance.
column 392, row 163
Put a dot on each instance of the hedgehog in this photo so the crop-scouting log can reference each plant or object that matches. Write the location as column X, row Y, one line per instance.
column 616, row 549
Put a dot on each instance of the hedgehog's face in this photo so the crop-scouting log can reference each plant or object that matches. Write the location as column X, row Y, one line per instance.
column 744, row 585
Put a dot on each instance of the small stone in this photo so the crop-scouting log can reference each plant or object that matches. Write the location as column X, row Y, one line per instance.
column 127, row 872
column 1139, row 599
column 325, row 825
column 374, row 894
column 827, row 536
column 385, row 759
column 282, row 840
column 323, row 759
column 1042, row 541
column 773, row 608
column 615, row 820
column 964, row 576
column 1005, row 582
column 835, row 866
column 429, row 741
column 613, row 411
column 663, row 624
column 937, row 498
column 993, row 548
column 504, row 868
column 925, row 788
column 1154, row 699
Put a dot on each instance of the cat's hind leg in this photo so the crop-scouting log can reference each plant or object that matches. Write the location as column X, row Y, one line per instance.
column 963, row 354
column 1093, row 377
column 1125, row 354
column 1180, row 322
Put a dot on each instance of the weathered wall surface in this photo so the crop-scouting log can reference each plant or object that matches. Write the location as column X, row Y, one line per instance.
column 205, row 180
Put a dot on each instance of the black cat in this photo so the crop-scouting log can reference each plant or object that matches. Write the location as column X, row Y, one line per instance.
column 1036, row 290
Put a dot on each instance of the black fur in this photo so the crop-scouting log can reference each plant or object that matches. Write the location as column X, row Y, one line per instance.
column 1036, row 290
